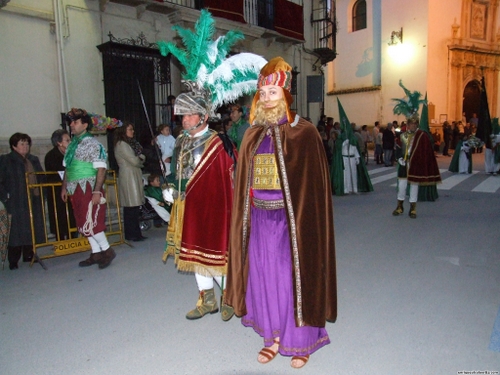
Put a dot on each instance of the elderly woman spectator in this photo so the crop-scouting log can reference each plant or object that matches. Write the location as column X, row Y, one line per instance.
column 130, row 159
column 14, row 194
column 54, row 163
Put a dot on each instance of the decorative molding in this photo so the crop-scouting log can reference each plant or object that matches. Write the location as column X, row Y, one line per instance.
column 462, row 57
column 141, row 41
column 27, row 11
column 479, row 20
column 354, row 91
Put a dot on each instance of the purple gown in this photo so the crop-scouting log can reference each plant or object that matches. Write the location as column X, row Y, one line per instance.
column 269, row 296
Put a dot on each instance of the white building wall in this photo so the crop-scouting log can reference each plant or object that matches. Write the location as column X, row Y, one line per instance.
column 421, row 62
column 442, row 14
column 368, row 49
column 406, row 61
column 28, row 75
column 32, row 96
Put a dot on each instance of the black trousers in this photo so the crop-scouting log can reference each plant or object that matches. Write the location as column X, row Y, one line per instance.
column 131, row 225
column 16, row 251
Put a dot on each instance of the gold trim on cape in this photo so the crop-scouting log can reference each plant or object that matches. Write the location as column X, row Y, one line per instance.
column 292, row 225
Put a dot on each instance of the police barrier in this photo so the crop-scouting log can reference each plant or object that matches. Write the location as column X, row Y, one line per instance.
column 62, row 237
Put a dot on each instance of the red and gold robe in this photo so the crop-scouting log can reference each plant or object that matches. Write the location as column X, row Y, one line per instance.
column 423, row 168
column 200, row 223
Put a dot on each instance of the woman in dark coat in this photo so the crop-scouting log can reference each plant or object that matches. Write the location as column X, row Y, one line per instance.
column 13, row 167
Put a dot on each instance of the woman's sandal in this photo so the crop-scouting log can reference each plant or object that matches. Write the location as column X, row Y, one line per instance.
column 302, row 358
column 268, row 353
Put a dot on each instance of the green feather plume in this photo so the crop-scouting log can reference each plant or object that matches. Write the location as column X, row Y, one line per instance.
column 410, row 104
column 206, row 63
column 196, row 45
column 224, row 45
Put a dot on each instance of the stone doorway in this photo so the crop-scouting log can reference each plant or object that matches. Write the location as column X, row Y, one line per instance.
column 472, row 99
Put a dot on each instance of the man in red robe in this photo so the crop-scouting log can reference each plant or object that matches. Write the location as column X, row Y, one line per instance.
column 198, row 233
column 417, row 166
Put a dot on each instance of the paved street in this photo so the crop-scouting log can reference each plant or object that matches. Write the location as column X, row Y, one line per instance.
column 415, row 297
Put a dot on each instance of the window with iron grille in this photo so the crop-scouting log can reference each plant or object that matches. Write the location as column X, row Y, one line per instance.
column 137, row 82
column 359, row 15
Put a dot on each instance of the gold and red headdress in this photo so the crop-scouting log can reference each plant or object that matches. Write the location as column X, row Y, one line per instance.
column 276, row 72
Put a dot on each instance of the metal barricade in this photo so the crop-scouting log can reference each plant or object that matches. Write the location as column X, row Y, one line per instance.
column 66, row 239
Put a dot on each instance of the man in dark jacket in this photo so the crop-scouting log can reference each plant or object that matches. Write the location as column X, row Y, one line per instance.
column 388, row 139
column 447, row 135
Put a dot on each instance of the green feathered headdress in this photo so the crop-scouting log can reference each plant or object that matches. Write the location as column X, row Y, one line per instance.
column 410, row 104
column 207, row 68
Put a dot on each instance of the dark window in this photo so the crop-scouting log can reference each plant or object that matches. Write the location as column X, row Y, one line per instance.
column 359, row 15
column 265, row 10
column 128, row 65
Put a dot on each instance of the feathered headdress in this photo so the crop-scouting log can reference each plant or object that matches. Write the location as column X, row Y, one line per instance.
column 217, row 79
column 409, row 105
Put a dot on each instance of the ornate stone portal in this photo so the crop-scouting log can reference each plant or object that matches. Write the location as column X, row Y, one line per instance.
column 474, row 53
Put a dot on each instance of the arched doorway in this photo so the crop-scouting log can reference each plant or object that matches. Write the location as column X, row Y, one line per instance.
column 472, row 99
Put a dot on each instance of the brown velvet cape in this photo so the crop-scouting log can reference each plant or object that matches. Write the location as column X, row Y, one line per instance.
column 308, row 202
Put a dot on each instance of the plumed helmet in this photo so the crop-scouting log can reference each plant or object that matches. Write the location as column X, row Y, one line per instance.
column 194, row 100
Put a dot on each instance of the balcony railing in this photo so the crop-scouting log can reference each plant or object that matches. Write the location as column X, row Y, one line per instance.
column 324, row 31
column 254, row 13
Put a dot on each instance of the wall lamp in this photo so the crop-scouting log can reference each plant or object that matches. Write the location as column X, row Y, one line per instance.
column 396, row 37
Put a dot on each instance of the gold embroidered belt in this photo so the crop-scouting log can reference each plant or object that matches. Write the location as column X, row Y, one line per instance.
column 269, row 205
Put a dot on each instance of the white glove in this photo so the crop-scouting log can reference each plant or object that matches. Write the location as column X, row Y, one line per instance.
column 167, row 195
column 402, row 162
column 357, row 161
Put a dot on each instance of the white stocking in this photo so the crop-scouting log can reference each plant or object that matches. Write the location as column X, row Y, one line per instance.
column 413, row 193
column 207, row 282
column 94, row 245
column 101, row 240
column 204, row 282
column 402, row 183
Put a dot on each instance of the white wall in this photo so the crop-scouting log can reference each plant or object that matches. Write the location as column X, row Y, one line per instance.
column 442, row 15
column 368, row 50
column 406, row 61
column 29, row 76
column 355, row 65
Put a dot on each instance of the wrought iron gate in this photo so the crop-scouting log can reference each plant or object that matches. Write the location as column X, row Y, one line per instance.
column 128, row 64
